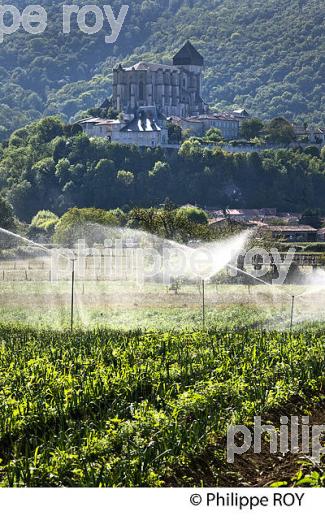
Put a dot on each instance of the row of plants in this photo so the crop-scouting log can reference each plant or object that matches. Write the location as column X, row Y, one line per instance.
column 104, row 408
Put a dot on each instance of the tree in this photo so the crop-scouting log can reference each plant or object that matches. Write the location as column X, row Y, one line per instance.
column 125, row 177
column 143, row 218
column 105, row 112
column 47, row 129
column 83, row 172
column 43, row 224
column 21, row 198
column 72, row 130
column 160, row 168
column 174, row 133
column 62, row 171
column 312, row 150
column 251, row 128
column 214, row 135
column 6, row 215
column 192, row 214
column 281, row 131
column 45, row 219
column 190, row 147
column 186, row 134
column 87, row 223
column 312, row 217
column 3, row 133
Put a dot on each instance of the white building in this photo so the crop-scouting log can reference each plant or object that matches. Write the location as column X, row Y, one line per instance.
column 228, row 125
column 99, row 127
column 146, row 128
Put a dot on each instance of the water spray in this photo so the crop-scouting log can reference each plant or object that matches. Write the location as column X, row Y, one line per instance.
column 220, row 254
column 293, row 297
column 249, row 275
column 27, row 240
column 48, row 251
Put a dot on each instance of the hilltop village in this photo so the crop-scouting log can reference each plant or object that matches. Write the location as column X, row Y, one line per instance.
column 160, row 105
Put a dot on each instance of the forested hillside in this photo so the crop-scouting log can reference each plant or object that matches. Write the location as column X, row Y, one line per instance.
column 49, row 166
column 268, row 56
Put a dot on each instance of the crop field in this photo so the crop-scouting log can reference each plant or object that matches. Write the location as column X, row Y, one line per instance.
column 142, row 392
column 112, row 408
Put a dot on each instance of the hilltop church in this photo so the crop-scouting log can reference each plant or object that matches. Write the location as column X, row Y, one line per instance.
column 175, row 90
column 149, row 95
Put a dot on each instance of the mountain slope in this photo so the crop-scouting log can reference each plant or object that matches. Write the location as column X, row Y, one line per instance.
column 269, row 57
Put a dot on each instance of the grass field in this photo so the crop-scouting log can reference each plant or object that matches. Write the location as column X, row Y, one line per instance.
column 154, row 306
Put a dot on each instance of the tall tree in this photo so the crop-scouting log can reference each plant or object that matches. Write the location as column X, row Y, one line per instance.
column 6, row 215
column 251, row 128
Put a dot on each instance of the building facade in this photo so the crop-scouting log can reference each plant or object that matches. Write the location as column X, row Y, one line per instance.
column 228, row 125
column 146, row 128
column 175, row 90
column 293, row 233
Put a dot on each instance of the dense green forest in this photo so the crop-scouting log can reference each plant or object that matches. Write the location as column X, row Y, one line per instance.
column 267, row 56
column 47, row 165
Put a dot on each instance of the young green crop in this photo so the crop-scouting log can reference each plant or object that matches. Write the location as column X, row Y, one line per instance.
column 110, row 408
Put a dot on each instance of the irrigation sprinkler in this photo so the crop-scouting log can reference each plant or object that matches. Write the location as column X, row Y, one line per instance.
column 48, row 251
column 292, row 312
column 72, row 292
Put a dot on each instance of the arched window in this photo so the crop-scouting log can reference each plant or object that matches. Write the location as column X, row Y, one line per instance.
column 141, row 91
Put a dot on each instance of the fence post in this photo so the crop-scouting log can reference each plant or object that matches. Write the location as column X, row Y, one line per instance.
column 72, row 293
column 203, row 304
column 292, row 313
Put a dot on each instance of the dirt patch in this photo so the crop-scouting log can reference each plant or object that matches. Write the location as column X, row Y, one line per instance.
column 251, row 469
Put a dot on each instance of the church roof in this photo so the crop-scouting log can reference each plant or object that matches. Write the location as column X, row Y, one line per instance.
column 141, row 125
column 146, row 120
column 188, row 55
column 143, row 65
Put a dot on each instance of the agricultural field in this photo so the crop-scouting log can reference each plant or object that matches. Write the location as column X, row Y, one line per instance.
column 142, row 391
column 113, row 408
column 156, row 306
